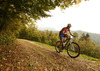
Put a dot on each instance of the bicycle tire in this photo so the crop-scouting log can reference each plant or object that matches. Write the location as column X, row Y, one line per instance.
column 69, row 51
column 56, row 46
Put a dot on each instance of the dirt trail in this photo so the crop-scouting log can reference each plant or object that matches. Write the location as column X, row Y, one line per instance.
column 29, row 56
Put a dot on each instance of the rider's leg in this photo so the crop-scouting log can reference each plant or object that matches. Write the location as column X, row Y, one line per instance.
column 67, row 37
column 60, row 46
column 61, row 41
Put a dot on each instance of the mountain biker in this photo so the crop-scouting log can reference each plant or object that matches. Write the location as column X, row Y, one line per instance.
column 63, row 33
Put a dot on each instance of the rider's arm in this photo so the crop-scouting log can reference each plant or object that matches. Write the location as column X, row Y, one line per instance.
column 70, row 33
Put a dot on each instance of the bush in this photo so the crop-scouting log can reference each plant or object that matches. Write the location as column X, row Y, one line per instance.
column 7, row 39
column 97, row 51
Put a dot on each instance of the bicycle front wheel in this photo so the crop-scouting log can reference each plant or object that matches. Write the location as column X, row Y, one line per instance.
column 73, row 50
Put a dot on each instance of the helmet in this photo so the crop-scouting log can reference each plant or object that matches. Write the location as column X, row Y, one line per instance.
column 69, row 25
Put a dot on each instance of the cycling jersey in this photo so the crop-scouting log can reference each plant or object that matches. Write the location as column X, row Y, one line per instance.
column 65, row 29
column 63, row 34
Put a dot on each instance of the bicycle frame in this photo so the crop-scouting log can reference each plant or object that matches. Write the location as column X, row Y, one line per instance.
column 68, row 42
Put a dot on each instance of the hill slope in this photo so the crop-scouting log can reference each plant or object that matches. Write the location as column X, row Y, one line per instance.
column 29, row 56
column 94, row 37
column 46, row 28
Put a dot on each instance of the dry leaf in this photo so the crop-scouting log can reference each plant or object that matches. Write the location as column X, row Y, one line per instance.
column 4, row 58
column 1, row 65
column 45, row 69
column 18, row 67
column 22, row 67
column 22, row 60
column 8, row 69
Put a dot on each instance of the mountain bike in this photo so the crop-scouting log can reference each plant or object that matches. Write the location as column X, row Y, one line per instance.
column 73, row 49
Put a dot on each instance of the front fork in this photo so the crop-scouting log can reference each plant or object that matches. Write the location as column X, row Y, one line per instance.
column 72, row 46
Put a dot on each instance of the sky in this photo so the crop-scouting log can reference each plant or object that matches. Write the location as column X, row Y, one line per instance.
column 84, row 17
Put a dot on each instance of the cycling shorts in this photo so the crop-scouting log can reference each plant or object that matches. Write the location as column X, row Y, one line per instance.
column 62, row 35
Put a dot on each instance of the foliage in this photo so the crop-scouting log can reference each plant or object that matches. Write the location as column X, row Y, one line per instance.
column 76, row 39
column 88, row 47
column 24, row 10
column 32, row 33
column 86, row 44
column 97, row 51
column 7, row 40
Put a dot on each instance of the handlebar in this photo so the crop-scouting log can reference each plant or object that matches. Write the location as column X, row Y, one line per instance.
column 71, row 36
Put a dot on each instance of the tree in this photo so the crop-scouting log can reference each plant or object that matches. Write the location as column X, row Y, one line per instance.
column 86, row 44
column 97, row 51
column 10, row 10
column 76, row 37
column 82, row 38
column 87, row 37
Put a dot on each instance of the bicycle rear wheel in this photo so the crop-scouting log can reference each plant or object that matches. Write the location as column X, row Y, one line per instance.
column 57, row 46
column 73, row 50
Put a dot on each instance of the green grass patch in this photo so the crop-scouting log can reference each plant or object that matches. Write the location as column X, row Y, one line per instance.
column 89, row 57
column 45, row 45
column 81, row 55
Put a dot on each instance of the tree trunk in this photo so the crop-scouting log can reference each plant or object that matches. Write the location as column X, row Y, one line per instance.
column 1, row 27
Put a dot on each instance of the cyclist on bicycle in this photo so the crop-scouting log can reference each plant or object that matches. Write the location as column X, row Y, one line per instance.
column 63, row 33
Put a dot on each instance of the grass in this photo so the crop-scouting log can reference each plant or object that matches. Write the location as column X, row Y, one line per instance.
column 89, row 57
column 52, row 47
column 81, row 55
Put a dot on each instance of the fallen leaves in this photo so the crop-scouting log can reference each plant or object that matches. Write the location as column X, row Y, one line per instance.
column 4, row 58
column 22, row 60
column 7, row 69
column 20, row 67
column 1, row 65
